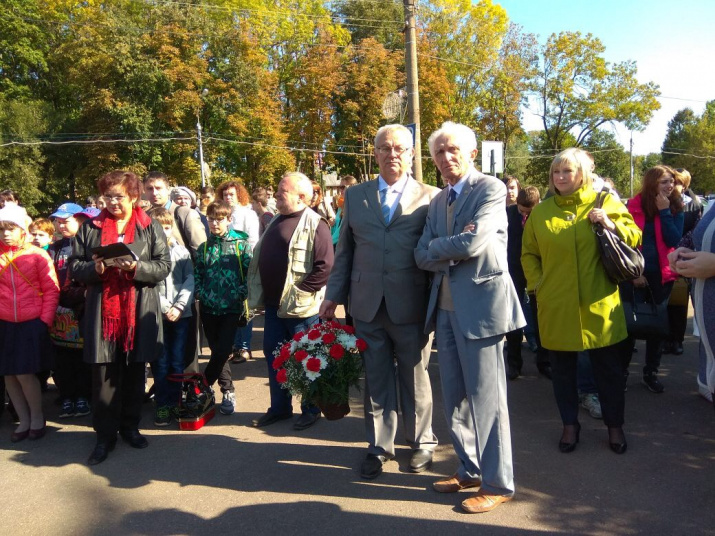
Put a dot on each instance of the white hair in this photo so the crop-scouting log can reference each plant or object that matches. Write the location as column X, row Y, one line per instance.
column 401, row 129
column 462, row 135
column 302, row 183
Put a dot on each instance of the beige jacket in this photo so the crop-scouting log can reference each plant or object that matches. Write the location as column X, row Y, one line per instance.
column 295, row 303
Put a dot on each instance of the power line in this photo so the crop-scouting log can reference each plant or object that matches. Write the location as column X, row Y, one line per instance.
column 291, row 148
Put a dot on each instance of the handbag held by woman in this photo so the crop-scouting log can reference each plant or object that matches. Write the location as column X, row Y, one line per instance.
column 621, row 262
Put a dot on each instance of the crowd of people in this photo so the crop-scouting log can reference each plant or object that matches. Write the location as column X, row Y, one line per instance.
column 145, row 270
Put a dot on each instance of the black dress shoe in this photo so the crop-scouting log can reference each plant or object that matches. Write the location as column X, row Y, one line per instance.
column 545, row 370
column 134, row 439
column 270, row 418
column 513, row 373
column 372, row 466
column 619, row 446
column 306, row 420
column 567, row 447
column 420, row 461
column 100, row 452
column 678, row 348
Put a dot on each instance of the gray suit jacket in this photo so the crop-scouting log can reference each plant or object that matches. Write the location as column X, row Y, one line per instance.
column 375, row 260
column 484, row 298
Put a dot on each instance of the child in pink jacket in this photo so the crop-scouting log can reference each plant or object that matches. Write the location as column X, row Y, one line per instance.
column 30, row 294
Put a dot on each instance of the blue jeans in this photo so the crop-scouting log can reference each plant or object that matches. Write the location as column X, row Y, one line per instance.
column 242, row 340
column 167, row 393
column 275, row 332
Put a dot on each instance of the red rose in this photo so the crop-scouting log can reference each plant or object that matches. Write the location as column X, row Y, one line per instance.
column 285, row 352
column 361, row 345
column 313, row 364
column 300, row 355
column 278, row 361
column 337, row 351
column 349, row 330
column 282, row 376
column 298, row 336
column 335, row 324
column 313, row 334
column 329, row 338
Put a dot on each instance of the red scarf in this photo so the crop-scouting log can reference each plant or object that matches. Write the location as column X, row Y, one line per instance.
column 118, row 292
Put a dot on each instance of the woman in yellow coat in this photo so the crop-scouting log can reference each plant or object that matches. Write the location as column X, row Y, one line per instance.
column 578, row 305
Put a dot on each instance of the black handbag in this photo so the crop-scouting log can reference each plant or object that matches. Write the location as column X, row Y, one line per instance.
column 621, row 261
column 645, row 319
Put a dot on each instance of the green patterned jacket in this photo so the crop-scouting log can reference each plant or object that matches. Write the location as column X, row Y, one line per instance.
column 220, row 273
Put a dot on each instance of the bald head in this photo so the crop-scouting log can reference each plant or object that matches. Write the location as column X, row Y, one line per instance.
column 294, row 193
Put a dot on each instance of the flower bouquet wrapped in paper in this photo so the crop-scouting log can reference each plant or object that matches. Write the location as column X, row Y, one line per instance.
column 320, row 365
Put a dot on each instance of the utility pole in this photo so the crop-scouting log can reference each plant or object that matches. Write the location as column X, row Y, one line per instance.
column 631, row 163
column 413, row 96
column 204, row 92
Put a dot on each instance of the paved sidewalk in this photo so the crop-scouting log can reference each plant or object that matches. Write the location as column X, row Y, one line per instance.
column 230, row 478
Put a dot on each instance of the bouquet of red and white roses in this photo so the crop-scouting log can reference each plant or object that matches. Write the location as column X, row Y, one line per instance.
column 320, row 364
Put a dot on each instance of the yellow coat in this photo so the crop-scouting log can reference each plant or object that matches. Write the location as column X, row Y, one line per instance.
column 579, row 306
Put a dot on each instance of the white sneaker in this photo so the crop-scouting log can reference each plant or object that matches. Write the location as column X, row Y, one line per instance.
column 704, row 391
column 228, row 404
column 591, row 403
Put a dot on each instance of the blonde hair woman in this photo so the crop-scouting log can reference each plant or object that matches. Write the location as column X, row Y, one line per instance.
column 579, row 308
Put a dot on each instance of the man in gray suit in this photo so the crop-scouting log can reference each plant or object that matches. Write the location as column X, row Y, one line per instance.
column 375, row 267
column 473, row 303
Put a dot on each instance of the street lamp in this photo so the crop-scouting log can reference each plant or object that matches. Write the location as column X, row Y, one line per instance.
column 204, row 92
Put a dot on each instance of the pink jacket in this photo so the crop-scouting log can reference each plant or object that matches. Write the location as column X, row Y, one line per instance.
column 635, row 208
column 28, row 285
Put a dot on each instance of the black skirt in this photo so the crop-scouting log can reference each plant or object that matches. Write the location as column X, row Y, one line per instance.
column 25, row 348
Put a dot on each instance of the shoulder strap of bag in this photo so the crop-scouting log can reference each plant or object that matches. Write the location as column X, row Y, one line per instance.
column 11, row 261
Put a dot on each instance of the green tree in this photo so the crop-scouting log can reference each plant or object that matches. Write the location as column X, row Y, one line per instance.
column 368, row 74
column 578, row 91
column 611, row 160
column 21, row 166
column 508, row 84
column 467, row 37
column 382, row 21
column 677, row 138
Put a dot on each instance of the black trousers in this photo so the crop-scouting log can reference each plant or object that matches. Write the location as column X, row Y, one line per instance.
column 220, row 331
column 514, row 338
column 72, row 375
column 118, row 395
column 678, row 320
column 608, row 365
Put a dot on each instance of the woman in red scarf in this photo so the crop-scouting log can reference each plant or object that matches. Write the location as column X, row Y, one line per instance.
column 122, row 325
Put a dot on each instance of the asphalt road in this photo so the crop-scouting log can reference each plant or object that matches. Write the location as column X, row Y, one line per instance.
column 231, row 478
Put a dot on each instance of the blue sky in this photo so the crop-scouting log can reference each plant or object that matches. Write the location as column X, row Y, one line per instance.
column 672, row 42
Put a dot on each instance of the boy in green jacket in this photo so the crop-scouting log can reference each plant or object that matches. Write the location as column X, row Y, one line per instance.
column 220, row 287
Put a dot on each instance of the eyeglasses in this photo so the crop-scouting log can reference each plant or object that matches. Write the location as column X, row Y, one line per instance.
column 399, row 151
column 215, row 221
column 115, row 198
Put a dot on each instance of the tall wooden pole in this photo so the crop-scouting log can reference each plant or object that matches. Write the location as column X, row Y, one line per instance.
column 413, row 96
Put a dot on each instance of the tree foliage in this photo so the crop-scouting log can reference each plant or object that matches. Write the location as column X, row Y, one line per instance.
column 578, row 91
column 86, row 87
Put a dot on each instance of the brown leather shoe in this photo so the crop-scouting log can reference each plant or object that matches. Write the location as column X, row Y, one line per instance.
column 453, row 484
column 483, row 502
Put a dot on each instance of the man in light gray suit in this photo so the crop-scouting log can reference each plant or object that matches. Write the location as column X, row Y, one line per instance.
column 473, row 303
column 375, row 267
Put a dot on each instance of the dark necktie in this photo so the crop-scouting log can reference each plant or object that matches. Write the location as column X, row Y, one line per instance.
column 452, row 195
